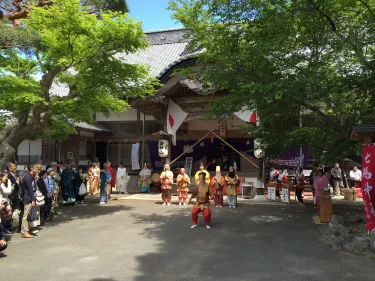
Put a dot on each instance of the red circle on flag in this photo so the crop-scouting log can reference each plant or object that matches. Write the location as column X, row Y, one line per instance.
column 171, row 121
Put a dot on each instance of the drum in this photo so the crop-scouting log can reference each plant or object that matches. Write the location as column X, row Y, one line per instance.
column 156, row 184
column 155, row 177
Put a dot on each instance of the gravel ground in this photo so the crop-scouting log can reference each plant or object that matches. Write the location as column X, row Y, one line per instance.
column 139, row 241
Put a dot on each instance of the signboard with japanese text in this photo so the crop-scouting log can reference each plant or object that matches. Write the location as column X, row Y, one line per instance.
column 285, row 195
column 368, row 183
column 188, row 165
column 271, row 193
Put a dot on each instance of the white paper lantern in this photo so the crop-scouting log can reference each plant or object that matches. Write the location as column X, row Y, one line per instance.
column 163, row 146
column 259, row 153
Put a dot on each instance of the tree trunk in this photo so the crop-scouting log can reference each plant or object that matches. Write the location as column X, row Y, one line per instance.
column 10, row 139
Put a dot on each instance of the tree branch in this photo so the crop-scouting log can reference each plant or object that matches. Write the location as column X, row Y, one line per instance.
column 367, row 7
column 328, row 18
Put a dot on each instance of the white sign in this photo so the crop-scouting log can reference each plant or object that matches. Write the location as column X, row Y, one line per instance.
column 135, row 157
column 285, row 195
column 271, row 193
column 188, row 165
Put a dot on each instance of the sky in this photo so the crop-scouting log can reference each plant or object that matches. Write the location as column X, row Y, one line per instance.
column 153, row 14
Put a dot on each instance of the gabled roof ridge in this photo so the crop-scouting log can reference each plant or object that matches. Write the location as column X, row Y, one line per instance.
column 165, row 30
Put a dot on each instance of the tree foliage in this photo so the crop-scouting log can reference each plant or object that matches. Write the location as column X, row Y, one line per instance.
column 282, row 58
column 79, row 51
column 11, row 11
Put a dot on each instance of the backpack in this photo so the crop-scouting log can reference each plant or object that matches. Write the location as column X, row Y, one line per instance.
column 82, row 190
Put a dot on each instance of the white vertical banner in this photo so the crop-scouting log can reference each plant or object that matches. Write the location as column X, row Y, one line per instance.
column 271, row 193
column 188, row 165
column 135, row 157
column 285, row 195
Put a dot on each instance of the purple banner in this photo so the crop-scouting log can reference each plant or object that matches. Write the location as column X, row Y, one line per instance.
column 291, row 158
column 208, row 148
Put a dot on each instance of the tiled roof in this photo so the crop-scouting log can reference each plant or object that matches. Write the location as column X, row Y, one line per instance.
column 167, row 48
column 89, row 127
column 158, row 57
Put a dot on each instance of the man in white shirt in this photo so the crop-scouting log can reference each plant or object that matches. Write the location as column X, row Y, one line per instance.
column 355, row 176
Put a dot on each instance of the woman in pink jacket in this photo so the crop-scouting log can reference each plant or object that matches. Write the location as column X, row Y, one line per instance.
column 320, row 183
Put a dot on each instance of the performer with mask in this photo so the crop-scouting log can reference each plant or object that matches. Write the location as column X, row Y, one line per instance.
column 166, row 179
column 218, row 184
column 233, row 181
column 94, row 178
column 203, row 193
column 202, row 169
column 183, row 182
column 145, row 179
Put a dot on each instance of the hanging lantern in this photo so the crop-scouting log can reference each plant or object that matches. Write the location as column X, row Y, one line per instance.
column 163, row 147
column 259, row 153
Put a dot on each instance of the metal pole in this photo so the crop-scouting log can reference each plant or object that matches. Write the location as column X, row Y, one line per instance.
column 300, row 148
column 29, row 152
column 263, row 172
column 143, row 139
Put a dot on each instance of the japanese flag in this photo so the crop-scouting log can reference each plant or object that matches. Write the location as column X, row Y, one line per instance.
column 247, row 115
column 175, row 117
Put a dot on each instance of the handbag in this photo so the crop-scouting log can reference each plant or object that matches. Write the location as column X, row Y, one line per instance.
column 33, row 214
column 82, row 190
column 39, row 198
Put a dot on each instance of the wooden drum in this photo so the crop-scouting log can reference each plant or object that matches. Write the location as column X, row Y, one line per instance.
column 156, row 184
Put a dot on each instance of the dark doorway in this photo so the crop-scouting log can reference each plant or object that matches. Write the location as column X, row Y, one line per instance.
column 101, row 152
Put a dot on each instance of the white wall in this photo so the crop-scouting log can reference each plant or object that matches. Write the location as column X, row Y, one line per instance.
column 35, row 147
column 128, row 115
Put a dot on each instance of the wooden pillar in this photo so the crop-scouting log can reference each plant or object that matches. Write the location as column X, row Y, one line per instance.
column 119, row 154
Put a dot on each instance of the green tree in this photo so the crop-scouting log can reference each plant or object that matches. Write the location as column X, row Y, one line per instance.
column 76, row 49
column 281, row 58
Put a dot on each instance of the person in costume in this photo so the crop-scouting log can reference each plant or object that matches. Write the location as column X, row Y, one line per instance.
column 94, row 178
column 113, row 177
column 67, row 184
column 145, row 179
column 166, row 179
column 105, row 180
column 203, row 193
column 202, row 169
column 121, row 179
column 183, row 182
column 232, row 180
column 218, row 184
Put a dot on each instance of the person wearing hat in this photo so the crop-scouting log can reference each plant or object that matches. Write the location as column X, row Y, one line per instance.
column 121, row 179
column 218, row 184
column 94, row 178
column 183, row 182
column 67, row 185
column 232, row 180
column 203, row 193
column 202, row 169
column 166, row 179
column 145, row 179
